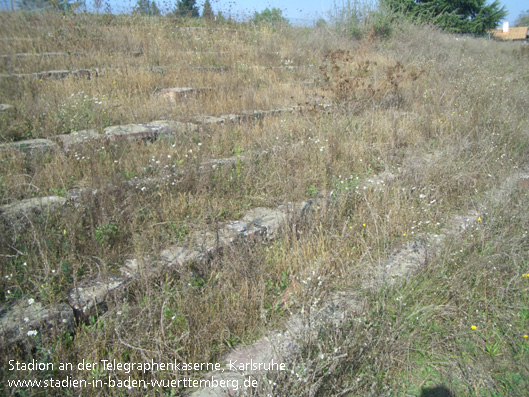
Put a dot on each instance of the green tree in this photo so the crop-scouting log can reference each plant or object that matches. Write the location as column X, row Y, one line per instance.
column 272, row 16
column 146, row 7
column 207, row 12
column 220, row 17
column 186, row 8
column 458, row 16
column 523, row 19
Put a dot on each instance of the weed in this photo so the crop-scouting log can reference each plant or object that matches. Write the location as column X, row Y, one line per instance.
column 396, row 131
column 106, row 234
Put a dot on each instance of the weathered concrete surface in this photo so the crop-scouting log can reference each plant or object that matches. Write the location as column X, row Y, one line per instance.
column 4, row 107
column 41, row 54
column 168, row 129
column 246, row 115
column 282, row 346
column 176, row 93
column 129, row 132
column 509, row 185
column 268, row 222
column 148, row 132
column 90, row 297
column 213, row 163
column 77, row 138
column 405, row 260
column 381, row 180
column 207, row 120
column 158, row 129
column 259, row 114
column 232, row 118
column 55, row 74
column 31, row 146
column 19, row 213
column 461, row 223
column 258, row 222
column 27, row 315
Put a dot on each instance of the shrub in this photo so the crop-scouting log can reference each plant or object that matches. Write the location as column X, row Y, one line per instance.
column 273, row 17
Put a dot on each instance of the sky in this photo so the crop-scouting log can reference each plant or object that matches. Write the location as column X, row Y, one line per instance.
column 298, row 11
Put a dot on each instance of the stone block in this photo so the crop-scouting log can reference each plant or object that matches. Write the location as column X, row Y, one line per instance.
column 20, row 212
column 77, row 138
column 5, row 107
column 168, row 129
column 27, row 316
column 173, row 94
column 31, row 146
column 90, row 298
column 130, row 132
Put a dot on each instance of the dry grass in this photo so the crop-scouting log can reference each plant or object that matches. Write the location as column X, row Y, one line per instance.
column 444, row 114
column 245, row 69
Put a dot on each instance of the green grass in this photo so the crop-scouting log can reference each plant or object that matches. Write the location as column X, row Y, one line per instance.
column 443, row 117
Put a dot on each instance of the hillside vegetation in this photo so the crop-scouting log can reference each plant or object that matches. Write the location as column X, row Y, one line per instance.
column 438, row 121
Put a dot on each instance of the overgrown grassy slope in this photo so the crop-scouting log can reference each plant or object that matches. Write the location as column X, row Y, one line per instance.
column 446, row 116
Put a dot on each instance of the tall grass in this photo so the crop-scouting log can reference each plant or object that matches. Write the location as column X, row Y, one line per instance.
column 443, row 114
